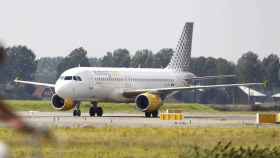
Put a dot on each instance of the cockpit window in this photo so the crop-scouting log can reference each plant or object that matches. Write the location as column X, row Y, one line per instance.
column 68, row 78
column 77, row 78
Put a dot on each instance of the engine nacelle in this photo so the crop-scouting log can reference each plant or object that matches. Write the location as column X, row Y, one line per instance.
column 148, row 102
column 62, row 104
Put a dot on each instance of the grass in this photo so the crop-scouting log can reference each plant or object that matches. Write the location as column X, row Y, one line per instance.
column 29, row 105
column 152, row 142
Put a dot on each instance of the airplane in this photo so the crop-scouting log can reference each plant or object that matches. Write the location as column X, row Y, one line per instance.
column 146, row 87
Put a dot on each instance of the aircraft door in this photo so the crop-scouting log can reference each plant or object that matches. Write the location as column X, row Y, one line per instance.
column 91, row 80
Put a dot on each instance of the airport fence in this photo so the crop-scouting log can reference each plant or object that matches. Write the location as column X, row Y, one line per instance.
column 246, row 107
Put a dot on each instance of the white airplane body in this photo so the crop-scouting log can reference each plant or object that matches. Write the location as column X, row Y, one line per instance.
column 147, row 87
column 109, row 84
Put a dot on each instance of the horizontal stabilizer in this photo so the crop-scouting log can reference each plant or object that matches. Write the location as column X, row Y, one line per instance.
column 251, row 92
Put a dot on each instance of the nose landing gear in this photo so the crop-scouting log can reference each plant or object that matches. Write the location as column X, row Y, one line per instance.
column 77, row 111
column 95, row 110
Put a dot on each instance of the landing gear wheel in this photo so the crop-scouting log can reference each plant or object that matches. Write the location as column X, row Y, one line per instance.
column 148, row 114
column 95, row 110
column 99, row 111
column 155, row 114
column 77, row 112
column 92, row 112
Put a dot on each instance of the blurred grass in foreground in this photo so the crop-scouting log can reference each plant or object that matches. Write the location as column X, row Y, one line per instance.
column 153, row 142
column 31, row 105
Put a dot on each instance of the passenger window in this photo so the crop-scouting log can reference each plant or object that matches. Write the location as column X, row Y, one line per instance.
column 68, row 78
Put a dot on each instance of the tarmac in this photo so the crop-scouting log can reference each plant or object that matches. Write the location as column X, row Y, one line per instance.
column 137, row 120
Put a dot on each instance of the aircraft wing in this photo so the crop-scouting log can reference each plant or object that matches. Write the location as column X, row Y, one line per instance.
column 212, row 77
column 133, row 93
column 35, row 83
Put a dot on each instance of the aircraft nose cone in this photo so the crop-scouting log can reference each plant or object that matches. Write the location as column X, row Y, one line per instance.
column 64, row 90
column 59, row 90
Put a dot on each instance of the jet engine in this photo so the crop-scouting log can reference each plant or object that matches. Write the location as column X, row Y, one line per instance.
column 148, row 102
column 62, row 104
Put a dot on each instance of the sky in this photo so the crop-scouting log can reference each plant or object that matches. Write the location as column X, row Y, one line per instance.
column 222, row 28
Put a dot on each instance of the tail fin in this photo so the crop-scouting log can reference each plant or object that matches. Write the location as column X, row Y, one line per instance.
column 181, row 59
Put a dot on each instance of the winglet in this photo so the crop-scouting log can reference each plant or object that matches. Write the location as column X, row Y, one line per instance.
column 266, row 84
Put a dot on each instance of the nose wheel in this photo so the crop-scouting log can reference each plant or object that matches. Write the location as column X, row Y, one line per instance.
column 77, row 111
column 95, row 110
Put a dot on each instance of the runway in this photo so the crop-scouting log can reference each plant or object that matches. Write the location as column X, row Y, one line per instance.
column 65, row 119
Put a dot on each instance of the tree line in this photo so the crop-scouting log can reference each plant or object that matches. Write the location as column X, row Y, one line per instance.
column 22, row 63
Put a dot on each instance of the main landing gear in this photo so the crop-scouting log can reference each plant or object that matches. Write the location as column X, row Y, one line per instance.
column 153, row 114
column 77, row 111
column 95, row 110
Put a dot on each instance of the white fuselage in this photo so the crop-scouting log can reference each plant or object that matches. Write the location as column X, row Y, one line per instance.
column 108, row 84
